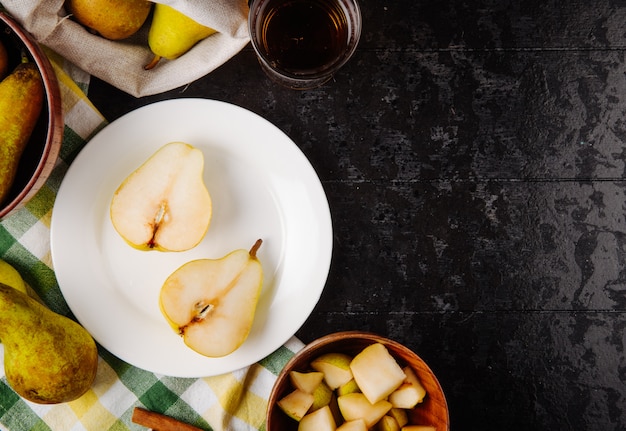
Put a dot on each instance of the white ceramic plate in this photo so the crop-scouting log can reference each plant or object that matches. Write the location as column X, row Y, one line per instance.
column 262, row 186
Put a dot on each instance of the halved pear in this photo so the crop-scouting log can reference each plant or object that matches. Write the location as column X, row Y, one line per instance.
column 211, row 303
column 164, row 204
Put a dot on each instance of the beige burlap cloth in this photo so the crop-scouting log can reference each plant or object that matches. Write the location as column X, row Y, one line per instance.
column 120, row 63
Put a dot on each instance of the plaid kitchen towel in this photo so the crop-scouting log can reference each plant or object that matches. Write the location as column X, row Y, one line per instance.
column 234, row 401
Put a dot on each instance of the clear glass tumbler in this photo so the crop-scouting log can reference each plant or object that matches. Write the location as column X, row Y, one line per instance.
column 301, row 44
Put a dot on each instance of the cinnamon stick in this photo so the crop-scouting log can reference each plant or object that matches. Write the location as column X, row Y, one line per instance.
column 160, row 422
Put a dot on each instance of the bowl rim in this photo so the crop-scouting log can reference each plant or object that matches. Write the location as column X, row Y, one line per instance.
column 333, row 337
column 54, row 133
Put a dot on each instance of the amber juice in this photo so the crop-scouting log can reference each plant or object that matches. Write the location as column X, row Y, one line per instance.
column 302, row 36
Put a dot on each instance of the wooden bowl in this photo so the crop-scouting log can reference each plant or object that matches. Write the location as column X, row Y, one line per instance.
column 44, row 145
column 432, row 411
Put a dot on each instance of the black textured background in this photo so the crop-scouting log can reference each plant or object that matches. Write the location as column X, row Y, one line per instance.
column 473, row 154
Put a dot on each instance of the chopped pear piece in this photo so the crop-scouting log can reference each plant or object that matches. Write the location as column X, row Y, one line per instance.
column 376, row 372
column 296, row 404
column 306, row 382
column 400, row 415
column 387, row 423
column 348, row 388
column 336, row 368
column 355, row 425
column 356, row 406
column 211, row 303
column 164, row 204
column 410, row 393
column 319, row 420
column 322, row 396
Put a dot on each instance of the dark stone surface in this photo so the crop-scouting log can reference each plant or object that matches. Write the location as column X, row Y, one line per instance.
column 473, row 157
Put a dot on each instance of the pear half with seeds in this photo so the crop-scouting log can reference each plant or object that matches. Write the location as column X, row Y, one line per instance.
column 164, row 204
column 211, row 303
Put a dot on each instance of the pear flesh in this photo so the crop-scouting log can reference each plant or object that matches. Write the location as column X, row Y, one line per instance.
column 48, row 358
column 211, row 303
column 164, row 204
column 172, row 34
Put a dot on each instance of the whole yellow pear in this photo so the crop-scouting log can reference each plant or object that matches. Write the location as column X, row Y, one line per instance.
column 11, row 277
column 111, row 19
column 21, row 102
column 172, row 34
column 48, row 358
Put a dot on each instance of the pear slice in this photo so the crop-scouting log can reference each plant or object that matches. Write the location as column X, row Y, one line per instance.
column 164, row 204
column 211, row 303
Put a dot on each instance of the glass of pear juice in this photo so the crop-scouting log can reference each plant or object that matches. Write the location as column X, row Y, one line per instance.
column 301, row 44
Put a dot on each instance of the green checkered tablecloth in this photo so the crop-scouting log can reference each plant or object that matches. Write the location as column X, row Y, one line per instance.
column 234, row 401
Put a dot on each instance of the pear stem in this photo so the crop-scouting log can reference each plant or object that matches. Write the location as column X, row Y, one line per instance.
column 153, row 62
column 255, row 247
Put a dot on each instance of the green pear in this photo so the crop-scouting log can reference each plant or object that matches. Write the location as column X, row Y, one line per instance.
column 172, row 34
column 21, row 102
column 211, row 303
column 48, row 358
column 111, row 19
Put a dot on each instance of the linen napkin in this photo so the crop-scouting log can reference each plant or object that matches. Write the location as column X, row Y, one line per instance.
column 235, row 401
column 120, row 63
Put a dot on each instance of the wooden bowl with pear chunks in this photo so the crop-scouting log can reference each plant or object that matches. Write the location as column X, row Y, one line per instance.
column 39, row 122
column 355, row 381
